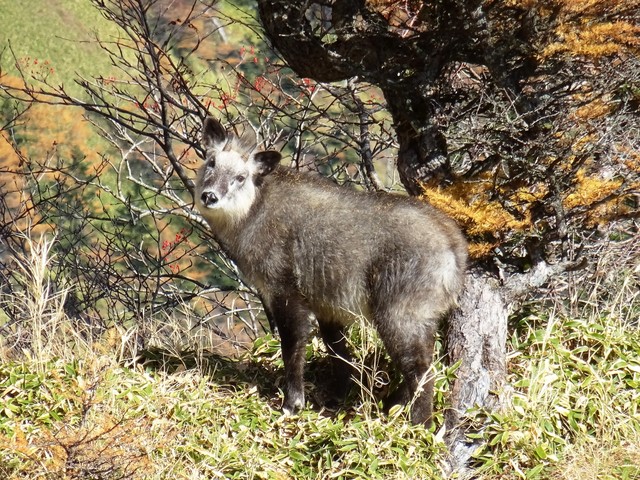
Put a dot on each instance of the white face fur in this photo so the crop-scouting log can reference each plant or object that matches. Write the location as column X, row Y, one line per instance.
column 226, row 186
column 226, row 189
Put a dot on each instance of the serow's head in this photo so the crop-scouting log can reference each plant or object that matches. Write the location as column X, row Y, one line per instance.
column 228, row 181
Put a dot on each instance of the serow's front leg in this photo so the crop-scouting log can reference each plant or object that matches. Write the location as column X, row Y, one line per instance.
column 294, row 326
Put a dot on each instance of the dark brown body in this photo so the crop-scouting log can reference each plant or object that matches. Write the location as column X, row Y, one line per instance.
column 313, row 248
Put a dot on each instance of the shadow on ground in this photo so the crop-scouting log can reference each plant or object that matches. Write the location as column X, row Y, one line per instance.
column 264, row 372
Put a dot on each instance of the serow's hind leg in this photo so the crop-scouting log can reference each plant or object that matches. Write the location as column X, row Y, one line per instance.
column 410, row 346
column 342, row 369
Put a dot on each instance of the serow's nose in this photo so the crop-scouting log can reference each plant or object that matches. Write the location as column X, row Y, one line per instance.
column 208, row 198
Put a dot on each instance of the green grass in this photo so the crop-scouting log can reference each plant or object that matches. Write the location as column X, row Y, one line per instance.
column 57, row 35
column 576, row 385
column 569, row 413
column 71, row 408
column 140, row 423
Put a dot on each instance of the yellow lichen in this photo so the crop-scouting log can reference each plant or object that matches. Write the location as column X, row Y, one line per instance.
column 589, row 190
column 596, row 109
column 479, row 218
column 597, row 40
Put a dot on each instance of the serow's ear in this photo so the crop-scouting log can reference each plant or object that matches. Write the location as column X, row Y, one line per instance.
column 266, row 161
column 213, row 133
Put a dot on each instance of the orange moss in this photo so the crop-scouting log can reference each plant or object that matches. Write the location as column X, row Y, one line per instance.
column 595, row 109
column 590, row 190
column 593, row 41
column 478, row 218
column 481, row 249
column 633, row 161
column 528, row 194
column 589, row 7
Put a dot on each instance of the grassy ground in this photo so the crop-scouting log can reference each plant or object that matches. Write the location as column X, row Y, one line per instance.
column 56, row 38
column 71, row 408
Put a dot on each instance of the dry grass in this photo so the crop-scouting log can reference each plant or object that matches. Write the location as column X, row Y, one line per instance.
column 39, row 328
column 595, row 460
column 71, row 410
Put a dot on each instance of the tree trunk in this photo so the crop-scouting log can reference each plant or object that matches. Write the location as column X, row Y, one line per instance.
column 476, row 337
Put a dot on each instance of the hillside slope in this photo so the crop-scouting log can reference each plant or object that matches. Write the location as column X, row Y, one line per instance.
column 60, row 32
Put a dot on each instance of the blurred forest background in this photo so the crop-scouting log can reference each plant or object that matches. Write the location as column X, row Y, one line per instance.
column 520, row 119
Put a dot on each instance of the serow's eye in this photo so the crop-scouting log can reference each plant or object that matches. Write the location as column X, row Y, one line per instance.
column 211, row 163
column 240, row 179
